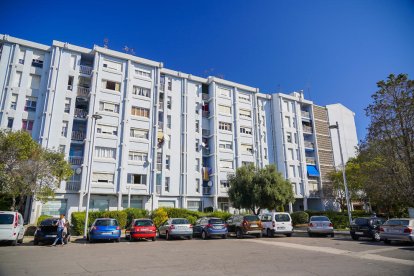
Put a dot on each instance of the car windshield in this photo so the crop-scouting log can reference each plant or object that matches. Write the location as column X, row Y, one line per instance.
column 282, row 217
column 394, row 222
column 48, row 222
column 216, row 221
column 362, row 221
column 143, row 223
column 319, row 219
column 6, row 218
column 106, row 222
column 180, row 221
column 251, row 218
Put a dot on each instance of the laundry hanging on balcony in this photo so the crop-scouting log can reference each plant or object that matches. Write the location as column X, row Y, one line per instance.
column 206, row 173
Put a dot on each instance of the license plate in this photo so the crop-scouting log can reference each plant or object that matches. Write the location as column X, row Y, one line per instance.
column 359, row 233
column 106, row 233
column 253, row 225
column 144, row 229
column 217, row 227
column 50, row 236
column 394, row 231
column 281, row 228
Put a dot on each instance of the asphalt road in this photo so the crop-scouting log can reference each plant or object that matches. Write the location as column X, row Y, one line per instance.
column 249, row 256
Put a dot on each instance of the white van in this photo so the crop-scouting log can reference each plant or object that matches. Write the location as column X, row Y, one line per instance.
column 11, row 227
column 277, row 223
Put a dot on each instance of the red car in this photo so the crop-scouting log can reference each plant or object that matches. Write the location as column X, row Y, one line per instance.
column 141, row 229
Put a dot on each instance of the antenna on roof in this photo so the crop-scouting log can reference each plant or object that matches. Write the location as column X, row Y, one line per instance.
column 308, row 88
column 106, row 40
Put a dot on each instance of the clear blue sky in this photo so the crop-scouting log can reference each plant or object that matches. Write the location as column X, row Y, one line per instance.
column 334, row 50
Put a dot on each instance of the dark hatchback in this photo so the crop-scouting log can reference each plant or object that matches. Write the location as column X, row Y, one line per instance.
column 366, row 227
column 47, row 232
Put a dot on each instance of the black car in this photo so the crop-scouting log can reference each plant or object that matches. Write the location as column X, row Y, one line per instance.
column 47, row 232
column 368, row 227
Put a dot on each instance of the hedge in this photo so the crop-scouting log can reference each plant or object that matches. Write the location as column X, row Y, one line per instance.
column 78, row 219
column 299, row 217
column 339, row 219
column 134, row 213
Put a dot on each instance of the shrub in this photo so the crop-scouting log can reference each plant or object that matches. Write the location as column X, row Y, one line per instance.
column 219, row 214
column 192, row 219
column 208, row 209
column 134, row 213
column 182, row 213
column 120, row 216
column 159, row 216
column 299, row 217
column 78, row 222
column 42, row 218
column 78, row 219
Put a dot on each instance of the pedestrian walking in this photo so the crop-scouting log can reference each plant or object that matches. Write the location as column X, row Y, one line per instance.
column 60, row 227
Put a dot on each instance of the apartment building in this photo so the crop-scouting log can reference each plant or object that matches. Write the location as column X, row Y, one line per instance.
column 141, row 135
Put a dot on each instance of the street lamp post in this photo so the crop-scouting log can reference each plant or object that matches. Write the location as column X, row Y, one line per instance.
column 348, row 204
column 95, row 117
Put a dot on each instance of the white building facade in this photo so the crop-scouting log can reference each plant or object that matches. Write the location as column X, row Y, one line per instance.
column 162, row 137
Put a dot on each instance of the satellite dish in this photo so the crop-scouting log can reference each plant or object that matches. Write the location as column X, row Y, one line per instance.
column 166, row 137
column 78, row 171
column 210, row 184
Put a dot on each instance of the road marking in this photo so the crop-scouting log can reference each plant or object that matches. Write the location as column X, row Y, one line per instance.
column 329, row 250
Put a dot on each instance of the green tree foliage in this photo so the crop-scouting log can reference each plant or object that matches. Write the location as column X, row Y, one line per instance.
column 256, row 189
column 26, row 169
column 387, row 154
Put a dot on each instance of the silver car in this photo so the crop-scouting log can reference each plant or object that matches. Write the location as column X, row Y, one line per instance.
column 398, row 229
column 176, row 227
column 320, row 225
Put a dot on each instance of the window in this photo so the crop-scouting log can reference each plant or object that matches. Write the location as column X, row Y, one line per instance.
column 138, row 133
column 168, row 121
column 224, row 184
column 289, row 137
column 104, row 152
column 104, row 178
column 137, row 156
column 197, row 108
column 287, row 121
column 194, row 205
column 197, row 144
column 296, row 138
column 141, row 91
column 167, row 184
column 67, row 105
column 197, row 165
column 27, row 125
column 140, row 111
column 265, row 153
column 169, row 84
column 64, row 132
column 70, row 83
column 197, row 185
column 247, row 148
column 169, row 143
column 34, row 81
column 73, row 62
column 22, row 55
column 109, row 130
column 286, row 106
column 244, row 97
column 225, row 126
column 224, row 109
column 137, row 179
column 226, row 164
column 197, row 126
column 37, row 60
column 291, row 154
column 134, row 202
column 109, row 107
column 169, row 102
column 10, row 122
column 246, row 130
column 224, row 92
column 111, row 85
column 13, row 102
column 112, row 65
column 62, row 149
column 246, row 114
column 17, row 79
column 167, row 162
column 225, row 145
column 143, row 73
column 246, row 163
column 30, row 104
column 292, row 171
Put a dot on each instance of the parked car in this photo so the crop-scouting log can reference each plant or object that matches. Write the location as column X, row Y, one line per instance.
column 176, row 227
column 241, row 225
column 141, row 229
column 368, row 227
column 11, row 227
column 46, row 233
column 104, row 229
column 208, row 227
column 398, row 229
column 320, row 225
column 277, row 223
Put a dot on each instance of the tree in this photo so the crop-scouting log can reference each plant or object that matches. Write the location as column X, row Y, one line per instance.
column 27, row 169
column 386, row 155
column 257, row 189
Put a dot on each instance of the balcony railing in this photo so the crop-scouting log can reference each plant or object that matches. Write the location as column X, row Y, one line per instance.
column 161, row 105
column 83, row 91
column 206, row 151
column 85, row 70
column 314, row 193
column 73, row 186
column 305, row 114
column 206, row 190
column 80, row 113
column 310, row 160
column 308, row 144
column 160, row 126
column 78, row 135
column 37, row 63
column 307, row 129
column 159, row 167
column 158, row 189
column 206, row 113
column 162, row 87
column 76, row 160
column 205, row 96
column 205, row 132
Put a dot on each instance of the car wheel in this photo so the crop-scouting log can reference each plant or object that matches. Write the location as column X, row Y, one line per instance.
column 118, row 239
column 87, row 238
column 203, row 235
column 167, row 236
column 355, row 238
column 91, row 240
column 14, row 243
column 154, row 239
column 289, row 235
column 332, row 235
column 35, row 242
column 387, row 241
column 224, row 236
column 239, row 234
column 259, row 235
column 190, row 237
column 376, row 237
column 269, row 233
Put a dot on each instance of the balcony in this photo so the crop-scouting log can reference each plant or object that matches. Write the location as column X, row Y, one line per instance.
column 205, row 132
column 80, row 113
column 73, row 186
column 206, row 113
column 162, row 86
column 160, row 126
column 159, row 167
column 309, row 145
column 310, row 160
column 83, row 91
column 206, row 190
column 85, row 70
column 78, row 135
column 161, row 105
column 76, row 160
column 307, row 129
column 314, row 193
column 305, row 114
column 205, row 96
column 158, row 189
column 37, row 63
column 206, row 151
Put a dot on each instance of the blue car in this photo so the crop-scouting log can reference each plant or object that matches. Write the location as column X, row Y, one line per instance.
column 104, row 229
column 208, row 227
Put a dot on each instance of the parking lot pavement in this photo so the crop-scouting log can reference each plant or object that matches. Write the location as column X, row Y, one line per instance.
column 250, row 256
